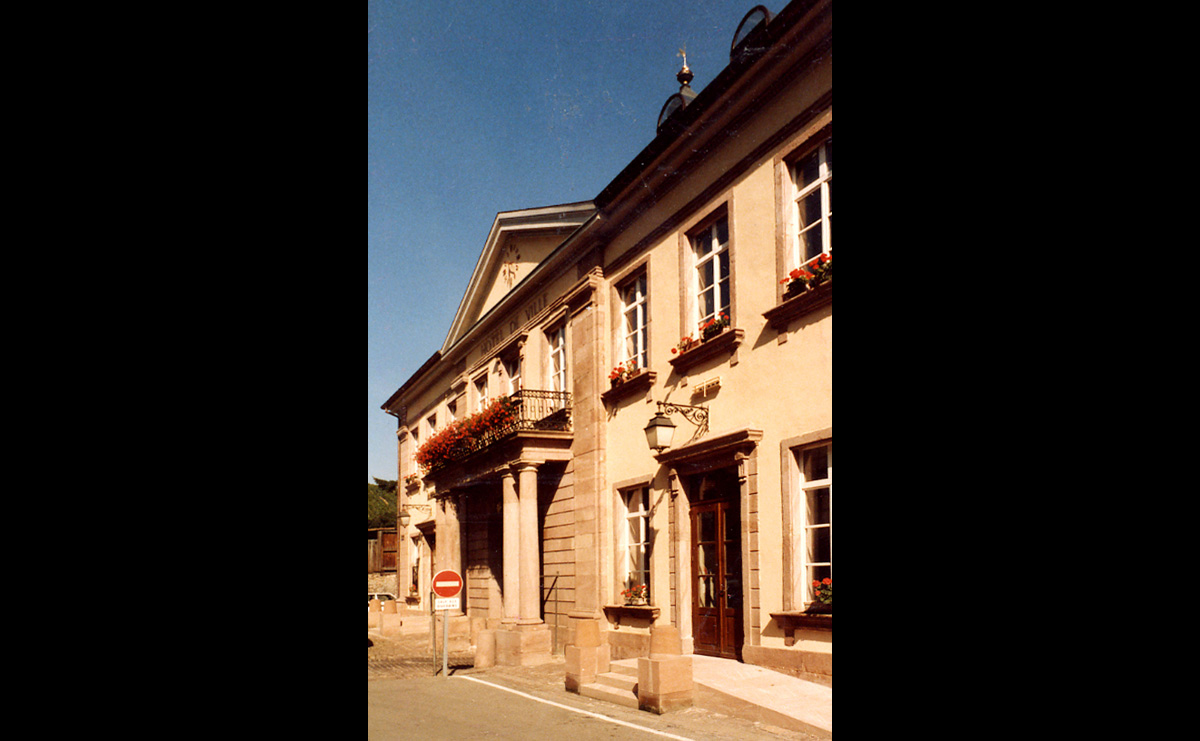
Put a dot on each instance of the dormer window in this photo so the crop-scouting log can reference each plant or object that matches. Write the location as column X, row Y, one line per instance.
column 748, row 39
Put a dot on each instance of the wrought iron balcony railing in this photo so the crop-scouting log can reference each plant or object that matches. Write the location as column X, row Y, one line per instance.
column 527, row 410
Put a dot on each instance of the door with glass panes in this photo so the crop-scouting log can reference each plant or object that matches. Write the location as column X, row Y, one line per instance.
column 716, row 565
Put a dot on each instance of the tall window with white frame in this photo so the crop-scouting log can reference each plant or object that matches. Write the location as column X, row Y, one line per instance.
column 813, row 178
column 636, row 539
column 512, row 369
column 481, row 392
column 635, row 308
column 711, row 246
column 557, row 345
column 816, row 485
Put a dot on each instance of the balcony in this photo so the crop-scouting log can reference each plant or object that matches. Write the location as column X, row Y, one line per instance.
column 526, row 413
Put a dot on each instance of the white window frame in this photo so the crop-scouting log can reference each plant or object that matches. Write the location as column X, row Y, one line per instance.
column 481, row 392
column 512, row 369
column 635, row 313
column 810, row 526
column 635, row 505
column 823, row 184
column 556, row 351
column 722, row 298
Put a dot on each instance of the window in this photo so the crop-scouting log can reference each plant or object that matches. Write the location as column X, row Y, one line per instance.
column 816, row 486
column 451, row 411
column 711, row 246
column 512, row 369
column 813, row 178
column 431, row 423
column 481, row 392
column 557, row 340
column 635, row 539
column 635, row 309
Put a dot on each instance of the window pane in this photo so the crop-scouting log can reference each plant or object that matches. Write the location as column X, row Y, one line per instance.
column 723, row 259
column 703, row 244
column 816, row 464
column 829, row 155
column 818, row 506
column 818, row 545
column 722, row 229
column 706, row 303
column 636, row 567
column 708, row 527
column 733, row 525
column 808, row 170
column 706, row 594
column 631, row 350
column 705, row 271
column 706, row 557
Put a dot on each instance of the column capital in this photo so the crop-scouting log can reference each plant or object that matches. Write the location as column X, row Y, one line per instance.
column 521, row 466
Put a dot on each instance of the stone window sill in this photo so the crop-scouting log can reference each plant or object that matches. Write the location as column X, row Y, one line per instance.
column 727, row 341
column 639, row 384
column 799, row 305
column 638, row 612
column 793, row 620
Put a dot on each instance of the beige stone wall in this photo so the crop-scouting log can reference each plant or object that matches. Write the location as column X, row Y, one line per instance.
column 779, row 383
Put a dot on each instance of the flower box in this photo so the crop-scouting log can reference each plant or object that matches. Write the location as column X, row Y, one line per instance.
column 638, row 383
column 799, row 305
column 726, row 341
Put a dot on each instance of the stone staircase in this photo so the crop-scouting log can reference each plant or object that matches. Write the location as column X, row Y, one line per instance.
column 618, row 685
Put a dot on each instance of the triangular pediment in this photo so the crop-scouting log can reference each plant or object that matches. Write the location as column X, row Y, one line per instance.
column 517, row 244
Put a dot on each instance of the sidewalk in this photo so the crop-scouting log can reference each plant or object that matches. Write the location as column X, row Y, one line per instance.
column 763, row 695
column 723, row 686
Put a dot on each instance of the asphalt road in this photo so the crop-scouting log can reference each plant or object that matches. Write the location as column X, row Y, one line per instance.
column 405, row 701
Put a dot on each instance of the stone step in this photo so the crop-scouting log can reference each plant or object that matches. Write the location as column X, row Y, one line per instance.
column 620, row 681
column 627, row 667
column 615, row 695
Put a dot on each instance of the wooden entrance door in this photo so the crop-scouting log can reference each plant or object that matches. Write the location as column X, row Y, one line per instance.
column 717, row 578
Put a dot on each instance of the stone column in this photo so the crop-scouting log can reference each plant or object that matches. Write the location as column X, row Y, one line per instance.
column 449, row 539
column 512, row 540
column 530, row 581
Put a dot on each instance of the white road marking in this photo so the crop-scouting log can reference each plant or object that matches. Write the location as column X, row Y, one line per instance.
column 575, row 710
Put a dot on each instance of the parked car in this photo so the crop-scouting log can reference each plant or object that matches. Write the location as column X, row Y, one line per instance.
column 381, row 596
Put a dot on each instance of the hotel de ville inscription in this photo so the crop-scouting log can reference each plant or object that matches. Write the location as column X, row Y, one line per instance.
column 513, row 324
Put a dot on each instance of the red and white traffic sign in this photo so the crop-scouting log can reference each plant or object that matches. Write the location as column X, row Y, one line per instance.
column 447, row 583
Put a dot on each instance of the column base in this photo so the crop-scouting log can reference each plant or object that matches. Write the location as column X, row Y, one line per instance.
column 524, row 645
column 665, row 683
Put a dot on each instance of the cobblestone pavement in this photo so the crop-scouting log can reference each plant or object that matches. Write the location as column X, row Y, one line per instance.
column 410, row 656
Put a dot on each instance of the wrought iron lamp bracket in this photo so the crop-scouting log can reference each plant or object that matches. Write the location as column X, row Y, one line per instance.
column 696, row 415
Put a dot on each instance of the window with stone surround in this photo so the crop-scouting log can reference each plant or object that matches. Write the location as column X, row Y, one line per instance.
column 816, row 500
column 635, row 538
column 635, row 313
column 811, row 218
column 711, row 284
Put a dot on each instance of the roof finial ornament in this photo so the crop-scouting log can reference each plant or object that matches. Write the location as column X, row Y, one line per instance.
column 685, row 75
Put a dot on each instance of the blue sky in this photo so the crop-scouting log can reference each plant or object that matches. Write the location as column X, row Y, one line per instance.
column 479, row 107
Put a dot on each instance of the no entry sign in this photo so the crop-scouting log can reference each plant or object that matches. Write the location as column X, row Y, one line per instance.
column 447, row 583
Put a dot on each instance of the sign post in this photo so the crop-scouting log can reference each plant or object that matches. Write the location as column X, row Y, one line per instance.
column 446, row 585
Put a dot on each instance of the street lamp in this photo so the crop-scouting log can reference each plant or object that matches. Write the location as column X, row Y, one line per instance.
column 404, row 517
column 661, row 430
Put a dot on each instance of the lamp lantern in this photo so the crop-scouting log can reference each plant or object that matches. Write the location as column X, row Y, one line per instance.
column 660, row 431
column 404, row 517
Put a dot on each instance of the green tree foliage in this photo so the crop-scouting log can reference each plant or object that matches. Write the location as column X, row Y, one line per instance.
column 381, row 503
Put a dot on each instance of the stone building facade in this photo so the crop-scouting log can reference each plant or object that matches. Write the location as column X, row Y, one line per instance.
column 674, row 291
